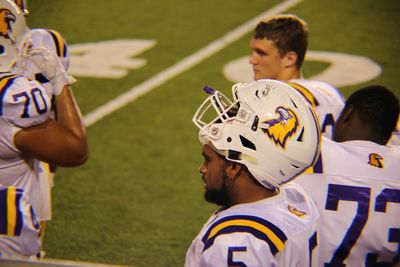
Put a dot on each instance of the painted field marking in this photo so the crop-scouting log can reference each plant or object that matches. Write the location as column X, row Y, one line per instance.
column 183, row 65
column 343, row 70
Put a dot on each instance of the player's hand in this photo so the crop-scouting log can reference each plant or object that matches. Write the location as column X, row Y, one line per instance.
column 51, row 67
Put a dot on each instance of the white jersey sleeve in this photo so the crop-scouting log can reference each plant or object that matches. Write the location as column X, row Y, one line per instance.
column 327, row 101
column 357, row 191
column 19, row 229
column 23, row 102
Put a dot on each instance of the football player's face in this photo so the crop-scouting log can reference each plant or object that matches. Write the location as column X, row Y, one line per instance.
column 266, row 60
column 213, row 174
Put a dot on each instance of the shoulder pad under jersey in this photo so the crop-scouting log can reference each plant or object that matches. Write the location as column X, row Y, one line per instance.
column 23, row 102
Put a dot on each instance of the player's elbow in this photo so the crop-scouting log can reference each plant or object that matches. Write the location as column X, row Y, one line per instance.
column 80, row 155
column 75, row 155
column 79, row 159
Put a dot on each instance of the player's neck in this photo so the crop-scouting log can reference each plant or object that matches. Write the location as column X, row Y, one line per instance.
column 290, row 74
column 251, row 194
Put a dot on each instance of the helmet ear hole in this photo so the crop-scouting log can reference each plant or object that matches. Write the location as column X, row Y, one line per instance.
column 234, row 155
column 247, row 143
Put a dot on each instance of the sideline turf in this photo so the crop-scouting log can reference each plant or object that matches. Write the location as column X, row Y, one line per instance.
column 138, row 200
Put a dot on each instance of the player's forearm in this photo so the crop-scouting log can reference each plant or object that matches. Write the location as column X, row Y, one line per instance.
column 69, row 116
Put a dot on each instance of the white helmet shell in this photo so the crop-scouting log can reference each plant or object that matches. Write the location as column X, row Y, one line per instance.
column 269, row 127
column 7, row 54
column 13, row 31
column 23, row 5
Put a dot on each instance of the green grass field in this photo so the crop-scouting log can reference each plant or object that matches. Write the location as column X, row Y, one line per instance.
column 139, row 199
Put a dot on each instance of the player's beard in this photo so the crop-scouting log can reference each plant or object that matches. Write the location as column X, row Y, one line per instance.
column 218, row 196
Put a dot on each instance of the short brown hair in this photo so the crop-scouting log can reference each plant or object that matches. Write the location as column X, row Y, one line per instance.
column 288, row 32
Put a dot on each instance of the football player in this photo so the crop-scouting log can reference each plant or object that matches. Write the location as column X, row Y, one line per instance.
column 28, row 133
column 251, row 148
column 357, row 184
column 278, row 46
column 56, row 43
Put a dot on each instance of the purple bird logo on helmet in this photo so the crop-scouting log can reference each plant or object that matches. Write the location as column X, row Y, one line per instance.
column 6, row 17
column 282, row 128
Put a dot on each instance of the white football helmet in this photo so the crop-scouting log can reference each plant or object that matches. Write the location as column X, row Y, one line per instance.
column 269, row 127
column 13, row 26
column 23, row 5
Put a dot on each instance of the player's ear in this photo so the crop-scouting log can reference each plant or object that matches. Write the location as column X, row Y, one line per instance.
column 343, row 125
column 233, row 169
column 347, row 115
column 290, row 59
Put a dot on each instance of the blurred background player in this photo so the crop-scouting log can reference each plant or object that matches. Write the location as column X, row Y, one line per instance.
column 251, row 148
column 29, row 134
column 55, row 42
column 279, row 45
column 357, row 184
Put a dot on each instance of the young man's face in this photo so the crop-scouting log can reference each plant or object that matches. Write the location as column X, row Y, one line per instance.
column 266, row 60
column 214, row 176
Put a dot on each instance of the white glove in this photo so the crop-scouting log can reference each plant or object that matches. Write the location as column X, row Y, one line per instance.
column 51, row 67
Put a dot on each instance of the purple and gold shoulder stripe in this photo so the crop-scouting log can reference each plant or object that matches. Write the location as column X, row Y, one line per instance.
column 256, row 226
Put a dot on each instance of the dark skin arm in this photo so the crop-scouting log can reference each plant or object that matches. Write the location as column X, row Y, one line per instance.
column 62, row 142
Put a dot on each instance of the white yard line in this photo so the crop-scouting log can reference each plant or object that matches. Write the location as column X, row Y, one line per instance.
column 185, row 64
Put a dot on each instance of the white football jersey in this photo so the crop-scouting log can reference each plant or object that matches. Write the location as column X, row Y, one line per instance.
column 23, row 103
column 56, row 43
column 327, row 101
column 277, row 231
column 19, row 229
column 357, row 190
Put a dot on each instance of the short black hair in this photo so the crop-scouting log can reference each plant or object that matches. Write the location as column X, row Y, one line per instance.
column 378, row 107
